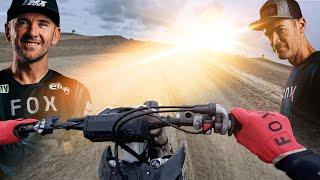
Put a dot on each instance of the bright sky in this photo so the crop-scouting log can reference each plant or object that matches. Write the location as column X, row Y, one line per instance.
column 166, row 20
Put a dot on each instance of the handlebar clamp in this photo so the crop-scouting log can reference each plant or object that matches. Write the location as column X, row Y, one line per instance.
column 46, row 126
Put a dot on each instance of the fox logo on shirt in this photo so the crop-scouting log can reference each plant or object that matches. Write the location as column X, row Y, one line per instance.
column 289, row 92
column 32, row 105
column 39, row 3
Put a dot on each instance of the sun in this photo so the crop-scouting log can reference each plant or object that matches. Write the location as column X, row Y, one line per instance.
column 217, row 37
column 206, row 32
column 209, row 31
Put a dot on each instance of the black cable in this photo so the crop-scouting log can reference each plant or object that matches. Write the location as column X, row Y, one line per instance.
column 120, row 118
column 177, row 127
column 114, row 134
column 116, row 158
column 75, row 124
column 128, row 149
column 118, row 128
column 116, row 155
column 76, row 119
column 65, row 126
column 141, row 109
column 115, row 129
column 171, row 107
column 147, row 113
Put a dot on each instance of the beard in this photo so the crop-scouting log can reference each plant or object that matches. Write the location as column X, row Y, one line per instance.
column 282, row 54
column 30, row 58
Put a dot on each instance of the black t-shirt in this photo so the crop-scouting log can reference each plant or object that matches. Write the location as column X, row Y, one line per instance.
column 301, row 102
column 54, row 95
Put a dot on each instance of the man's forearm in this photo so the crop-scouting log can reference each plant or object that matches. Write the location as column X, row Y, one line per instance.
column 301, row 165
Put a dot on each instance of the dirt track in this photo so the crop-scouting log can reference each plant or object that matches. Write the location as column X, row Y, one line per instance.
column 120, row 79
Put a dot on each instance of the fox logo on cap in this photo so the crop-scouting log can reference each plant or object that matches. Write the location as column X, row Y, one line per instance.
column 35, row 3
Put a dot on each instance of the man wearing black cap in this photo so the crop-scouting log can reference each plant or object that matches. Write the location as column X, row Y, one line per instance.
column 28, row 88
column 284, row 26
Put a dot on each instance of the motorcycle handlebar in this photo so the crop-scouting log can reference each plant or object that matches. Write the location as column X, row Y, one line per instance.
column 100, row 128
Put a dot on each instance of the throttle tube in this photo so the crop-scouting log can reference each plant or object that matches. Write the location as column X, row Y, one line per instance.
column 180, row 121
column 209, row 109
column 176, row 121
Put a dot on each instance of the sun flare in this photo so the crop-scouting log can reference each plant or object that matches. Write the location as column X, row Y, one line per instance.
column 217, row 37
column 208, row 31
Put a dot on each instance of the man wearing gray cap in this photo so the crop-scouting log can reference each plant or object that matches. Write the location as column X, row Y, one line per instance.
column 284, row 26
column 28, row 88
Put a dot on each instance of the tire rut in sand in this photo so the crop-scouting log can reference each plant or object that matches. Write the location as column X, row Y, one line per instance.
column 241, row 92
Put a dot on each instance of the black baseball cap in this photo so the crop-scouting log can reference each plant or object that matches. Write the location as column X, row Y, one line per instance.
column 275, row 9
column 46, row 7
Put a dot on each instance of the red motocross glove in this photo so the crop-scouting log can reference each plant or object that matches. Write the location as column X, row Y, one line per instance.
column 7, row 130
column 266, row 134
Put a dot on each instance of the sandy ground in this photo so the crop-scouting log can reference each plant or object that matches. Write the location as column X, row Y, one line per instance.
column 124, row 79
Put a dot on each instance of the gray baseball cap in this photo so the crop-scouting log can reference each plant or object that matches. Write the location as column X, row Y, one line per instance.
column 275, row 9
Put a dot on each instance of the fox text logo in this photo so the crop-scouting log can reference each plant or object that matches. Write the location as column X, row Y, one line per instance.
column 32, row 104
column 39, row 3
column 4, row 88
column 289, row 92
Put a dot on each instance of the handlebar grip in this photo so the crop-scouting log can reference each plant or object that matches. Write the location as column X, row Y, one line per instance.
column 235, row 127
column 209, row 109
column 23, row 131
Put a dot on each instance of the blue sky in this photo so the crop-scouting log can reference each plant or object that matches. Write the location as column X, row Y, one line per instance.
column 143, row 19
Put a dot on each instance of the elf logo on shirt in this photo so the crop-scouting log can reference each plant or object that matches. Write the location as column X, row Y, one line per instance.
column 39, row 3
column 289, row 92
column 4, row 89
column 57, row 86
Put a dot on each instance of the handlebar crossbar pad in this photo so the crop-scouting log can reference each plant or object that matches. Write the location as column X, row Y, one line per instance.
column 99, row 128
